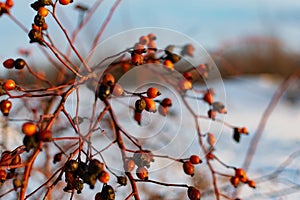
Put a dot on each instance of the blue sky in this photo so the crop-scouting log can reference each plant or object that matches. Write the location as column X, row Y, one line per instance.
column 211, row 23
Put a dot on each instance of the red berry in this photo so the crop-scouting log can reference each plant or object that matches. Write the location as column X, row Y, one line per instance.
column 168, row 65
column 252, row 183
column 9, row 63
column 108, row 79
column 45, row 136
column 2, row 175
column 193, row 193
column 142, row 173
column 43, row 11
column 9, row 3
column 194, row 159
column 188, row 75
column 188, row 168
column 234, row 181
column 153, row 92
column 208, row 97
column 5, row 106
column 9, row 84
column 65, row 2
column 166, row 102
column 104, row 177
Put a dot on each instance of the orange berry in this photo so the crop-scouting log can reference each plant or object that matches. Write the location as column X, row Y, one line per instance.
column 188, row 168
column 151, row 36
column 108, row 79
column 211, row 140
column 142, row 173
column 153, row 92
column 5, row 106
column 29, row 128
column 194, row 159
column 166, row 102
column 43, row 11
column 139, row 48
column 150, row 105
column 9, row 63
column 137, row 59
column 9, row 84
column 129, row 165
column 240, row 173
column 104, row 177
column 144, row 40
column 9, row 3
column 234, row 181
column 117, row 90
column 193, row 193
column 208, row 97
column 252, row 183
column 168, row 65
column 185, row 85
column 243, row 130
column 2, row 175
column 210, row 156
column 65, row 2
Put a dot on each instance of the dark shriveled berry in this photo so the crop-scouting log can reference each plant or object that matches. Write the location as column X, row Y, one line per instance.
column 19, row 63
column 122, row 180
column 107, row 193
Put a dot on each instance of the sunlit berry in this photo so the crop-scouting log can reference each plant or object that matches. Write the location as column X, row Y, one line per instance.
column 104, row 177
column 29, row 128
column 9, row 3
column 9, row 63
column 194, row 159
column 168, row 65
column 188, row 75
column 185, row 84
column 153, row 92
column 5, row 107
column 150, row 105
column 188, row 168
column 43, row 11
column 142, row 173
column 239, row 172
column 137, row 59
column 234, row 181
column 252, row 183
column 9, row 85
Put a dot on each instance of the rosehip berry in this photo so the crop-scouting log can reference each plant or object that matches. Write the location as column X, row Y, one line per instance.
column 140, row 105
column 150, row 105
column 194, row 159
column 5, row 106
column 210, row 156
column 107, row 193
column 108, row 79
column 153, row 92
column 139, row 48
column 234, row 181
column 252, row 183
column 104, row 177
column 9, row 3
column 193, row 193
column 168, row 65
column 211, row 140
column 65, row 2
column 185, row 85
column 240, row 173
column 43, row 11
column 29, row 128
column 151, row 36
column 2, row 175
column 142, row 173
column 188, row 168
column 208, row 97
column 9, row 85
column 188, row 75
column 129, row 165
column 243, row 130
column 9, row 63
column 166, row 102
column 19, row 63
column 144, row 40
